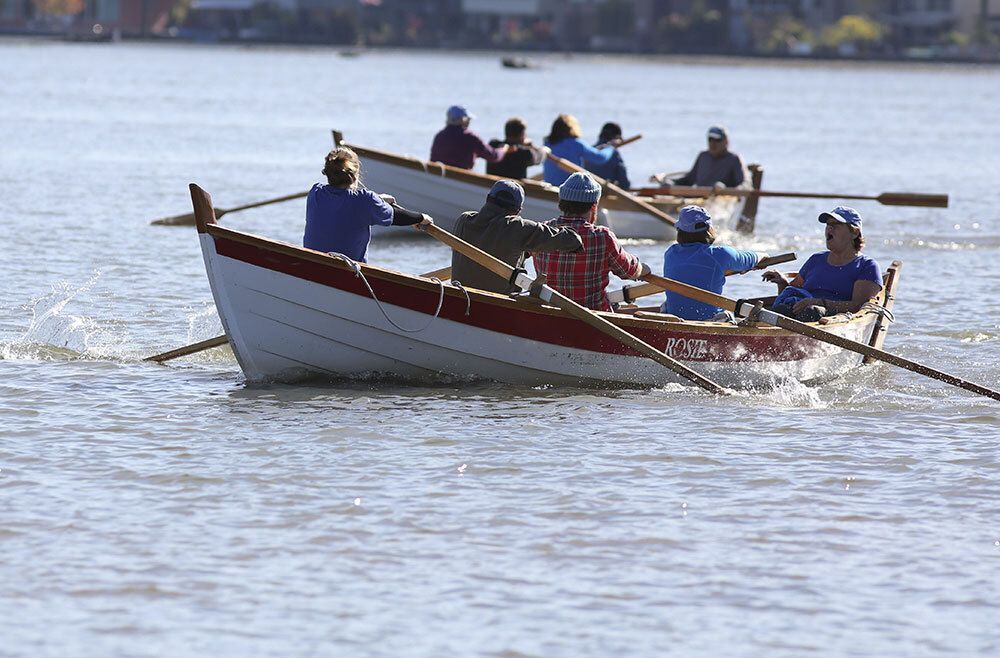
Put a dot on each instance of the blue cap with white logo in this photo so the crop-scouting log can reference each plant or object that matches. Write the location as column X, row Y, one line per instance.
column 717, row 132
column 693, row 219
column 842, row 215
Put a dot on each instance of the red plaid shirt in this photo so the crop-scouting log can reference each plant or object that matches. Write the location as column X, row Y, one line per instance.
column 583, row 275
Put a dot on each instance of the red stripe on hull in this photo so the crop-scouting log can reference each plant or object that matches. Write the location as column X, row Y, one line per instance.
column 524, row 322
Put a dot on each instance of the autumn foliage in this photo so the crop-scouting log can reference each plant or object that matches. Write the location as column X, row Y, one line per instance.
column 59, row 7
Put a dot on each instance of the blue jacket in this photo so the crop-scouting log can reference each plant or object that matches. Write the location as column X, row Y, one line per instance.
column 576, row 151
column 704, row 266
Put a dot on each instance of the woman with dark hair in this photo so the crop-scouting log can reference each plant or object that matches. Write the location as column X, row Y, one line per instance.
column 840, row 280
column 564, row 140
column 340, row 214
column 696, row 261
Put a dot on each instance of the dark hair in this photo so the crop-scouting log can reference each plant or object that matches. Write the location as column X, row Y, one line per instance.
column 564, row 126
column 575, row 208
column 859, row 242
column 608, row 132
column 342, row 167
column 706, row 237
column 515, row 126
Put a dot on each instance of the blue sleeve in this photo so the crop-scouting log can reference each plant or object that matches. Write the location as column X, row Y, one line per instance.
column 593, row 155
column 736, row 260
column 870, row 271
column 381, row 212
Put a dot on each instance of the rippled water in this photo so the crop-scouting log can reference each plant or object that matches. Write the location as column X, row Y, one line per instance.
column 172, row 511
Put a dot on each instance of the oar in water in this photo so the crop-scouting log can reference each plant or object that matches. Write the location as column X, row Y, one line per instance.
column 630, row 293
column 550, row 296
column 624, row 142
column 188, row 219
column 743, row 309
column 611, row 187
column 886, row 198
column 218, row 341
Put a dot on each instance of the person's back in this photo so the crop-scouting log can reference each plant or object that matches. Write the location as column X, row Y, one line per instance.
column 521, row 153
column 564, row 141
column 583, row 276
column 614, row 170
column 694, row 260
column 498, row 230
column 458, row 146
column 340, row 220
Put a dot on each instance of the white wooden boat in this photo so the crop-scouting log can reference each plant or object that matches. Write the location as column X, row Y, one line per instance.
column 445, row 192
column 292, row 313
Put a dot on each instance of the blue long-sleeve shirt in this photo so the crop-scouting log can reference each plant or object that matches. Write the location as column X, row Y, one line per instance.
column 341, row 220
column 576, row 151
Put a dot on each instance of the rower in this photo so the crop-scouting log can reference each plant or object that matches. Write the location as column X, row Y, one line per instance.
column 697, row 261
column 564, row 140
column 613, row 170
column 521, row 153
column 458, row 146
column 340, row 214
column 498, row 229
column 583, row 275
column 716, row 167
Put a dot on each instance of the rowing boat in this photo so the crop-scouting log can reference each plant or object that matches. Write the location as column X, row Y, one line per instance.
column 292, row 313
column 445, row 192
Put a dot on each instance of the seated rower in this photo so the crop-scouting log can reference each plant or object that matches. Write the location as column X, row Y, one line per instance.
column 521, row 153
column 340, row 214
column 564, row 140
column 715, row 167
column 697, row 261
column 498, row 229
column 583, row 275
column 458, row 146
column 614, row 170
column 840, row 280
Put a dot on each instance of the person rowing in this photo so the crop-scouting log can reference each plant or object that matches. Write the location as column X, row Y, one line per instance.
column 614, row 170
column 340, row 214
column 498, row 229
column 521, row 153
column 564, row 140
column 696, row 260
column 840, row 280
column 583, row 275
column 458, row 146
column 715, row 167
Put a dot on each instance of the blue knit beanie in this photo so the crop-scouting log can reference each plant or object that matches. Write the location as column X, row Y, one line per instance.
column 580, row 187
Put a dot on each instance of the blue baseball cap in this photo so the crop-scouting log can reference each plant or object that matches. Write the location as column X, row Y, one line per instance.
column 457, row 113
column 580, row 187
column 842, row 215
column 507, row 193
column 717, row 132
column 693, row 219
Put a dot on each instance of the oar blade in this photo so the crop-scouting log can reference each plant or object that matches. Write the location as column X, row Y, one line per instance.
column 913, row 199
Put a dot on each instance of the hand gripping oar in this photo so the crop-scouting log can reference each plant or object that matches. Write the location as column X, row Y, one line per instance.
column 611, row 187
column 631, row 293
column 188, row 219
column 550, row 296
column 218, row 341
column 743, row 308
column 886, row 198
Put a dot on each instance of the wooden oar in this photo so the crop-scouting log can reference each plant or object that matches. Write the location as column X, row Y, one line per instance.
column 630, row 293
column 743, row 308
column 611, row 187
column 633, row 138
column 886, row 198
column 188, row 219
column 550, row 296
column 218, row 341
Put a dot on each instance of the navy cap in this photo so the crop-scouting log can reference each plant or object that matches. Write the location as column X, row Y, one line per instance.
column 842, row 215
column 717, row 132
column 580, row 187
column 507, row 193
column 457, row 113
column 693, row 219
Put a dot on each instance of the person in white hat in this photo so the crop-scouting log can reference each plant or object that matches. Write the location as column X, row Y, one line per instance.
column 458, row 146
column 583, row 275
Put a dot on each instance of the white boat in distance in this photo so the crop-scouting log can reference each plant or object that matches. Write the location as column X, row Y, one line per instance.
column 445, row 192
column 292, row 313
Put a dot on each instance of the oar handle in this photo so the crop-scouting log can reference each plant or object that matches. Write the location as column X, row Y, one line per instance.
column 624, row 142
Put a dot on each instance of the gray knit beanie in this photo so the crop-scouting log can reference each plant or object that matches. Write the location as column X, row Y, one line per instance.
column 580, row 187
